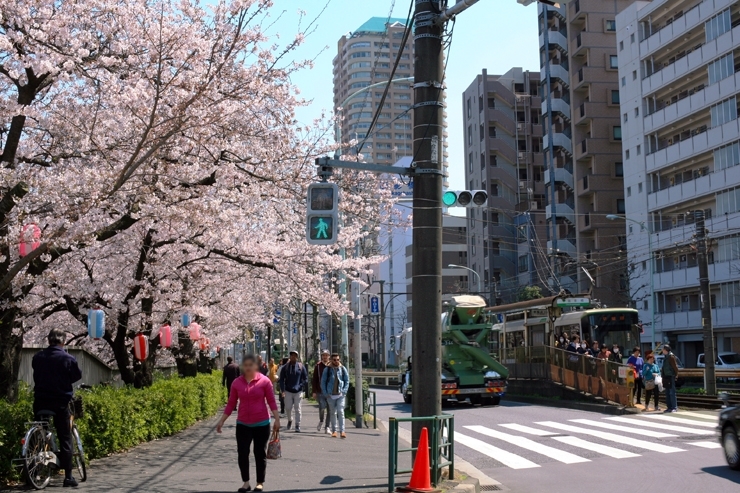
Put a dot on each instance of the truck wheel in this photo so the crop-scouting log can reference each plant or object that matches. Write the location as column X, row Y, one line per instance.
column 493, row 401
column 407, row 398
column 476, row 400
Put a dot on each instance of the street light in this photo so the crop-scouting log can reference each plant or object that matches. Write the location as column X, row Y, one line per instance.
column 644, row 227
column 455, row 266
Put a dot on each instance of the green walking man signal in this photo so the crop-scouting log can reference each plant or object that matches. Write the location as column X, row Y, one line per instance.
column 322, row 214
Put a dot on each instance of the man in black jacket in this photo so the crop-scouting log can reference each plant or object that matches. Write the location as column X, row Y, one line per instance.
column 54, row 372
column 231, row 373
column 293, row 379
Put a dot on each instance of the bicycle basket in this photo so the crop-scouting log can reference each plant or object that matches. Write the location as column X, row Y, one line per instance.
column 77, row 407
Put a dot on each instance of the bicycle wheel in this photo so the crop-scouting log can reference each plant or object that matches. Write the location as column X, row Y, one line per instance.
column 36, row 465
column 78, row 456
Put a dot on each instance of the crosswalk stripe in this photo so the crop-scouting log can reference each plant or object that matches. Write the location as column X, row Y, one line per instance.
column 625, row 429
column 596, row 447
column 526, row 443
column 706, row 444
column 679, row 421
column 506, row 458
column 528, row 429
column 711, row 417
column 661, row 426
column 611, row 437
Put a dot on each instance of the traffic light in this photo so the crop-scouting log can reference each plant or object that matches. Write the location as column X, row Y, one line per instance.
column 322, row 215
column 465, row 198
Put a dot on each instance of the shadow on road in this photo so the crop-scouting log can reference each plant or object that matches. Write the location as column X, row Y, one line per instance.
column 723, row 472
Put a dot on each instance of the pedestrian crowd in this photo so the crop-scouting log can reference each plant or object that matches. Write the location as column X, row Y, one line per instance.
column 253, row 386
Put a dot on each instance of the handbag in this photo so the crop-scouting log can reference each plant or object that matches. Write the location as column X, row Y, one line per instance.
column 659, row 381
column 650, row 384
column 274, row 450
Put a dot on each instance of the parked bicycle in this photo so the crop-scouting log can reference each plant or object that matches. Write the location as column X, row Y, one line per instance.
column 40, row 448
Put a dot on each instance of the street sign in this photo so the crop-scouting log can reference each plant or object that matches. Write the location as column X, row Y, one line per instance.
column 582, row 302
column 295, row 328
column 374, row 305
column 323, row 337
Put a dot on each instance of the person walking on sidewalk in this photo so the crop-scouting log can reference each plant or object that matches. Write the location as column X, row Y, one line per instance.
column 283, row 362
column 231, row 373
column 335, row 384
column 669, row 372
column 318, row 394
column 649, row 370
column 251, row 390
column 293, row 379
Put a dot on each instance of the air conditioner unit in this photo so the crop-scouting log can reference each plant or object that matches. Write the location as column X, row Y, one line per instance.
column 522, row 155
column 522, row 185
column 533, row 205
column 520, row 126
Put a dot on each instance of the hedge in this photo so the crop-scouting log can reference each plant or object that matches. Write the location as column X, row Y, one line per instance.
column 116, row 419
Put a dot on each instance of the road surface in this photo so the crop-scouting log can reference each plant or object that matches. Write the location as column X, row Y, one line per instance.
column 535, row 449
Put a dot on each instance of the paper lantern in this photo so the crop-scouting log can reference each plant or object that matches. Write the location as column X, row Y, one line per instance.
column 203, row 343
column 141, row 347
column 30, row 239
column 95, row 323
column 194, row 331
column 185, row 319
column 165, row 336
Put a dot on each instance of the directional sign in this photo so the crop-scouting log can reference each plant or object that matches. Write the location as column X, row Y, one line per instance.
column 323, row 337
column 295, row 328
column 583, row 302
column 374, row 305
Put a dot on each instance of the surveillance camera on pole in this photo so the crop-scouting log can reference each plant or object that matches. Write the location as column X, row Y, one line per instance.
column 465, row 198
column 322, row 214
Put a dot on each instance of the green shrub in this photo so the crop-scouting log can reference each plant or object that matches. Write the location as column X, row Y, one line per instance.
column 350, row 404
column 117, row 419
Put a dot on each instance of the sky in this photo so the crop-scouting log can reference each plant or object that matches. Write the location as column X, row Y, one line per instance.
column 492, row 34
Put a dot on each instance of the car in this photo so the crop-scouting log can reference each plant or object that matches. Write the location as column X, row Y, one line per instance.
column 659, row 360
column 729, row 432
column 725, row 361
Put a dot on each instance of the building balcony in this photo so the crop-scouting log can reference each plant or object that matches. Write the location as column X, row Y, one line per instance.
column 558, row 106
column 583, row 41
column 697, row 187
column 557, row 72
column 690, row 321
column 586, row 112
column 688, row 277
column 590, row 184
column 562, row 175
column 502, row 148
column 563, row 247
column 555, row 39
column 562, row 210
column 558, row 140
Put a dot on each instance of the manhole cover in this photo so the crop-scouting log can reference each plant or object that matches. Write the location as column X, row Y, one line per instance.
column 490, row 487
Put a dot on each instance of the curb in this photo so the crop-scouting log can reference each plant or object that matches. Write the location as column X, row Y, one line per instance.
column 576, row 405
column 468, row 485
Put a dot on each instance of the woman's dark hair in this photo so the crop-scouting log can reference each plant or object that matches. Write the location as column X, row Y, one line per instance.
column 249, row 358
column 56, row 337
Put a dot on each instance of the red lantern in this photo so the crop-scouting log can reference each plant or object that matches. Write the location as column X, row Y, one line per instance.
column 141, row 347
column 194, row 332
column 30, row 239
column 165, row 336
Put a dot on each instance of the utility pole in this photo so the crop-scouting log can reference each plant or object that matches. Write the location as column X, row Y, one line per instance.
column 382, row 326
column 427, row 214
column 359, row 404
column 710, row 382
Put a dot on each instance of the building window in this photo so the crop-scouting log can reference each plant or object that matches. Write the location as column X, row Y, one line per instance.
column 611, row 25
column 480, row 103
column 361, row 44
column 721, row 68
column 495, row 248
column 615, row 96
column 728, row 201
column 626, row 154
column 494, row 189
column 625, row 118
column 620, row 206
column 632, row 38
column 493, row 160
column 639, row 187
column 492, row 132
column 621, row 45
column 613, row 62
column 482, row 132
column 637, row 112
column 523, row 263
column 727, row 156
column 724, row 112
column 360, row 54
column 470, row 163
column 618, row 170
column 469, row 110
column 718, row 25
column 634, row 75
column 629, row 191
column 470, row 135
column 624, row 81
column 482, row 161
column 359, row 85
column 491, row 102
column 639, row 149
column 617, row 133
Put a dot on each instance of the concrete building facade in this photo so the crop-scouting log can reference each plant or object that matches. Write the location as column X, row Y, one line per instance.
column 679, row 80
column 503, row 155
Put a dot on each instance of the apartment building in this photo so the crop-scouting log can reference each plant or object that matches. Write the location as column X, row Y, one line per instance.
column 503, row 144
column 679, row 80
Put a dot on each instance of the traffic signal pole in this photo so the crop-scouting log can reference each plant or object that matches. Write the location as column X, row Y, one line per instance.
column 427, row 216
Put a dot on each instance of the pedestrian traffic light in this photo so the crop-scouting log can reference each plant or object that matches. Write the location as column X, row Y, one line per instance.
column 465, row 198
column 322, row 215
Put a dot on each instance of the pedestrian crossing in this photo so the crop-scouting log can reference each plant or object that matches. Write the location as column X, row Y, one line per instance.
column 575, row 441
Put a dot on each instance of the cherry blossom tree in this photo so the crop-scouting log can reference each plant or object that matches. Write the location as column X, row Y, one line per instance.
column 155, row 144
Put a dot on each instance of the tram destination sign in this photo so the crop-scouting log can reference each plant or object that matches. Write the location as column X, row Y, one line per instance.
column 570, row 302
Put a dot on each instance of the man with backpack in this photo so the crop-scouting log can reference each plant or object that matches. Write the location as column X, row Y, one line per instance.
column 293, row 379
column 335, row 384
column 669, row 372
column 318, row 394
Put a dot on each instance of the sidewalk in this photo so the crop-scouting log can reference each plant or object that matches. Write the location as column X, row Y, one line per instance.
column 199, row 460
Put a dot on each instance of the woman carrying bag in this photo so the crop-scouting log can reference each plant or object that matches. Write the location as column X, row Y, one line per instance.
column 651, row 373
column 252, row 389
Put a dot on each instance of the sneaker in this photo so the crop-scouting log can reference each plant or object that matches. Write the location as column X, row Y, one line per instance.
column 328, row 431
column 343, row 435
column 333, row 434
column 674, row 410
column 297, row 430
column 70, row 483
column 290, row 424
column 318, row 428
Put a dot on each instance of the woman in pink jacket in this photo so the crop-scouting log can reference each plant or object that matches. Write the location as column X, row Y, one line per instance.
column 252, row 390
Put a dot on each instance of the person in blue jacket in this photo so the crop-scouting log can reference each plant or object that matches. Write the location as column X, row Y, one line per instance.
column 334, row 385
column 649, row 370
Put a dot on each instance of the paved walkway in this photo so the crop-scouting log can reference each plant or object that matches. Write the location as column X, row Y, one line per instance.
column 199, row 460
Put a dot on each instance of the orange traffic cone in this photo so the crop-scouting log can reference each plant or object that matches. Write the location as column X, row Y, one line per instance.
column 420, row 481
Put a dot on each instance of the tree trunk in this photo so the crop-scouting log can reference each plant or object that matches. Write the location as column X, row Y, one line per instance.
column 10, row 356
column 187, row 366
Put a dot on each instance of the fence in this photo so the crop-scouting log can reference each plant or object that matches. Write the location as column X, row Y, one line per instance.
column 441, row 445
column 595, row 376
column 381, row 378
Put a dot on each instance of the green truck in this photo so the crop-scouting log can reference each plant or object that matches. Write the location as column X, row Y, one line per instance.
column 468, row 371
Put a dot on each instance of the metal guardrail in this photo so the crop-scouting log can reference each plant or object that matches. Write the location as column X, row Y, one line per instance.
column 699, row 373
column 381, row 378
column 441, row 445
column 375, row 409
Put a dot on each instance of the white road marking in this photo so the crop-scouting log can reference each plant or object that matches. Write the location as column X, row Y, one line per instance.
column 596, row 447
column 611, row 437
column 527, row 429
column 679, row 421
column 625, row 429
column 506, row 458
column 706, row 444
column 661, row 426
column 710, row 417
column 526, row 443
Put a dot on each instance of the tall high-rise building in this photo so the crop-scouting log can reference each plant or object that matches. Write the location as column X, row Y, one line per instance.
column 582, row 145
column 679, row 85
column 503, row 143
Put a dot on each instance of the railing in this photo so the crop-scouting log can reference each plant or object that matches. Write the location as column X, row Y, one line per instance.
column 375, row 409
column 381, row 378
column 441, row 447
